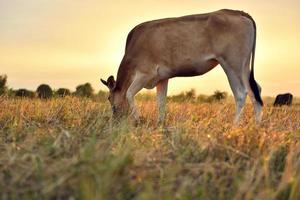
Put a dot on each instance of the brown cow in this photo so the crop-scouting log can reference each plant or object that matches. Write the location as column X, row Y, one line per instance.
column 187, row 46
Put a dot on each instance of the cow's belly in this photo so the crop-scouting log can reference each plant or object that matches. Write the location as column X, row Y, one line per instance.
column 187, row 69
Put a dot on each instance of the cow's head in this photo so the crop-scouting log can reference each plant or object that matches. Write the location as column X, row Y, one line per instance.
column 118, row 102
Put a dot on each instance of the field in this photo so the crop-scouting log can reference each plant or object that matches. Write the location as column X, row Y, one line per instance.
column 66, row 148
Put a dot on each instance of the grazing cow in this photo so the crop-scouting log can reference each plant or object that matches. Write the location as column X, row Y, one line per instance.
column 187, row 46
column 283, row 99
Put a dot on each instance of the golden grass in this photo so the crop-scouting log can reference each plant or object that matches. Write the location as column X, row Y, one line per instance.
column 66, row 149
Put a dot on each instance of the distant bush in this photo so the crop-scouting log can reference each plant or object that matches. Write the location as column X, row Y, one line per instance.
column 190, row 96
column 11, row 92
column 218, row 96
column 202, row 98
column 84, row 90
column 44, row 91
column 146, row 96
column 184, row 96
column 102, row 95
column 62, row 92
column 3, row 81
column 24, row 93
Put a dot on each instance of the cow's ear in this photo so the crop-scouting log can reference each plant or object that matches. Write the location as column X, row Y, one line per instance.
column 103, row 81
column 111, row 83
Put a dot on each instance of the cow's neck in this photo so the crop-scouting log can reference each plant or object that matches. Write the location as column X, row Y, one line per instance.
column 124, row 77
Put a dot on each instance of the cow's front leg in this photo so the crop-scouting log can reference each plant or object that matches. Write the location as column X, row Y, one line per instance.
column 161, row 94
column 137, row 84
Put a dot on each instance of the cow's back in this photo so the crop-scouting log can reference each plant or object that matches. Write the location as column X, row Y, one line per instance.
column 185, row 46
column 175, row 41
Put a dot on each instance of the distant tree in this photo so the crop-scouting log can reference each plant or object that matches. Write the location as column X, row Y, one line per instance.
column 44, row 91
column 3, row 81
column 24, row 93
column 62, row 92
column 84, row 90
column 218, row 95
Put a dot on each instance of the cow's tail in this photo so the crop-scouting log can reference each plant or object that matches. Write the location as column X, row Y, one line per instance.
column 253, row 84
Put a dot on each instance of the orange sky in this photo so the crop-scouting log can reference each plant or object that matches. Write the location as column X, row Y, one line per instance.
column 68, row 42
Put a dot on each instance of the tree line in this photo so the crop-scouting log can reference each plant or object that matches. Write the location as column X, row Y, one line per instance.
column 187, row 96
column 44, row 91
column 191, row 96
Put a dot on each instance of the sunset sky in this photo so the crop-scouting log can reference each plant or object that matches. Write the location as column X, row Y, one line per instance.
column 68, row 42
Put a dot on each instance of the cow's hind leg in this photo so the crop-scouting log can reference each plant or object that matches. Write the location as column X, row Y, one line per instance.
column 237, row 86
column 161, row 94
column 240, row 94
column 256, row 104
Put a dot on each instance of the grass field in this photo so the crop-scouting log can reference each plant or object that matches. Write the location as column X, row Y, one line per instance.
column 66, row 149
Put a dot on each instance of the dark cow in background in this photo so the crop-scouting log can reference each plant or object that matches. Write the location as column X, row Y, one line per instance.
column 283, row 99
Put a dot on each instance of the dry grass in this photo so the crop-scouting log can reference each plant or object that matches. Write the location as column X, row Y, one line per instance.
column 66, row 149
